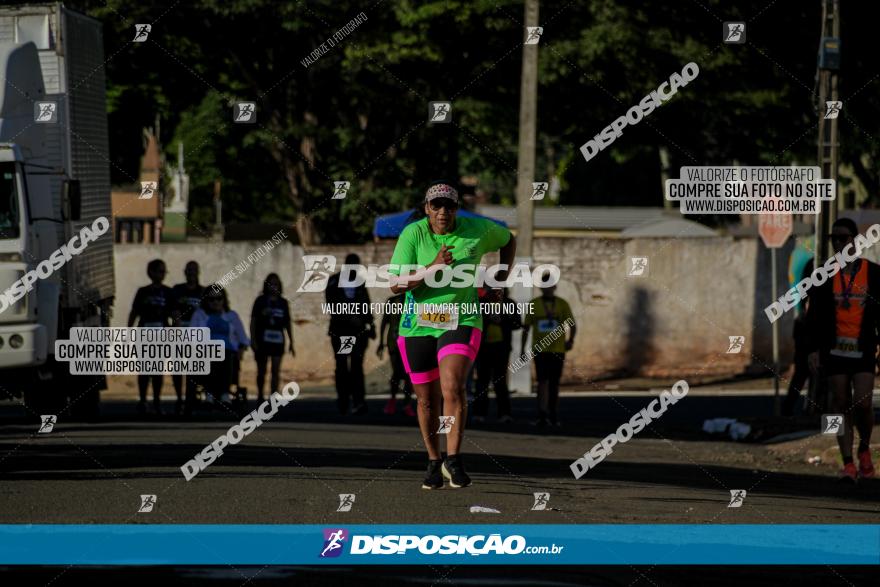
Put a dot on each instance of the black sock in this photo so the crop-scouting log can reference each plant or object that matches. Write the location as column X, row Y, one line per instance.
column 847, row 460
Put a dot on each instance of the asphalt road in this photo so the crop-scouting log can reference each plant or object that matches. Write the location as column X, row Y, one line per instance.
column 293, row 468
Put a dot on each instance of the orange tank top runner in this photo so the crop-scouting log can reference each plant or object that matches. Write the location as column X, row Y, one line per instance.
column 850, row 294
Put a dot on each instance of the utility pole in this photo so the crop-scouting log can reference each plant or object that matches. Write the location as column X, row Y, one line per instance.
column 525, row 174
column 829, row 65
column 525, row 165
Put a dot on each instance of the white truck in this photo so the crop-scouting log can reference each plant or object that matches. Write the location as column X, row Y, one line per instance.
column 54, row 181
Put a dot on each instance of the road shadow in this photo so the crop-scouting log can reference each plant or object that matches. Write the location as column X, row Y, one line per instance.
column 94, row 461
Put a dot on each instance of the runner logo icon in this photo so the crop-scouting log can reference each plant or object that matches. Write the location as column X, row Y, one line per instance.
column 47, row 424
column 147, row 503
column 148, row 188
column 832, row 109
column 446, row 423
column 440, row 111
column 141, row 32
column 534, row 34
column 346, row 345
column 638, row 266
column 346, row 500
column 832, row 424
column 541, row 500
column 737, row 496
column 318, row 269
column 735, row 344
column 245, row 113
column 539, row 189
column 340, row 189
column 734, row 32
column 333, row 539
column 45, row 112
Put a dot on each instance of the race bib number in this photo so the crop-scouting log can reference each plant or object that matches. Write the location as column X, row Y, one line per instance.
column 547, row 325
column 846, row 347
column 442, row 320
column 153, row 325
column 273, row 336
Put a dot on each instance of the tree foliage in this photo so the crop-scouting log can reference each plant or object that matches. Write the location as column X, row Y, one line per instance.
column 359, row 112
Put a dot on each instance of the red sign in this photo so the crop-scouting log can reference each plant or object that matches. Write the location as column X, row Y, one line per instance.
column 774, row 229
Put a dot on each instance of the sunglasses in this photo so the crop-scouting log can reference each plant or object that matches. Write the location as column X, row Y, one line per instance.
column 840, row 237
column 443, row 203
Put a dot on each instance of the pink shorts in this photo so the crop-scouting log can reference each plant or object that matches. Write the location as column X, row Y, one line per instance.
column 422, row 354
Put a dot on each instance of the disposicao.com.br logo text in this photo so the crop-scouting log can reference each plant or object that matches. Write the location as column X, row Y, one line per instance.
column 431, row 544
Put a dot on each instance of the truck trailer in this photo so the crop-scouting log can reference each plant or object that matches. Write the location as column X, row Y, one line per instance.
column 54, row 183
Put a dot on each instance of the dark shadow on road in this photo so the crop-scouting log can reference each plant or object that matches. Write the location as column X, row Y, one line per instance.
column 486, row 575
column 593, row 415
column 91, row 461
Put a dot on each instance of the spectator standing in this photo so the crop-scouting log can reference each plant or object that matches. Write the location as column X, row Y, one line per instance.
column 270, row 319
column 151, row 308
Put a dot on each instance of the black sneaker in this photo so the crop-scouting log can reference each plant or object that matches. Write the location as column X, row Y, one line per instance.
column 453, row 469
column 434, row 478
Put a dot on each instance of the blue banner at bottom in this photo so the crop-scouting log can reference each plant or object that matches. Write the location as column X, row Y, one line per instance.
column 667, row 544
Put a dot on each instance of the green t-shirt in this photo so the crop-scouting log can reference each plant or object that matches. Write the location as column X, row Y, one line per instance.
column 548, row 316
column 418, row 245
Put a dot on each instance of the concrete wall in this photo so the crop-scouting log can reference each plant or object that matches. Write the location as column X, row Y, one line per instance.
column 674, row 322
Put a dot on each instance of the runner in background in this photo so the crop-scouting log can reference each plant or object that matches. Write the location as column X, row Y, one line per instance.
column 800, row 265
column 352, row 322
column 843, row 317
column 151, row 308
column 226, row 326
column 391, row 323
column 187, row 298
column 439, row 344
column 493, row 359
column 550, row 313
column 270, row 319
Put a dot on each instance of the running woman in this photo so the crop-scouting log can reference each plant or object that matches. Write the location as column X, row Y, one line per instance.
column 842, row 323
column 438, row 347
